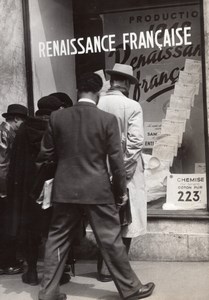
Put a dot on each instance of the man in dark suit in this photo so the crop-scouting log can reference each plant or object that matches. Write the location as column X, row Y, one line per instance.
column 79, row 139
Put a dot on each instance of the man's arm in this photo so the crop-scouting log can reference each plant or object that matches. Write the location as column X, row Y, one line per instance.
column 45, row 162
column 6, row 141
column 115, row 156
column 134, row 142
column 47, row 152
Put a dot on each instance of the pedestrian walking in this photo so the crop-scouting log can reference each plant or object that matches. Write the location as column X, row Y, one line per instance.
column 27, row 222
column 130, row 120
column 79, row 139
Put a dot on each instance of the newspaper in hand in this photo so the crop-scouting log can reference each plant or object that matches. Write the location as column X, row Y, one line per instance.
column 45, row 196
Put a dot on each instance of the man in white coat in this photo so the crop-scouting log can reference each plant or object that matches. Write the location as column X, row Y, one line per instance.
column 130, row 119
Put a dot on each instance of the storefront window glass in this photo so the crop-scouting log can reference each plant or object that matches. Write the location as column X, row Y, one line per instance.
column 162, row 42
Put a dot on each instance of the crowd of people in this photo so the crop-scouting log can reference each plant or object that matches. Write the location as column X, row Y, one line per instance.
column 92, row 150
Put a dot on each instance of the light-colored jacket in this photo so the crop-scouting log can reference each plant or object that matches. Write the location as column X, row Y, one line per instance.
column 130, row 119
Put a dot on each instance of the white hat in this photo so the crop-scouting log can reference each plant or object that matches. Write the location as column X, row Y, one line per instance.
column 123, row 70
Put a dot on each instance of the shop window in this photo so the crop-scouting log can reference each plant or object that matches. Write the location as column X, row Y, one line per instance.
column 163, row 41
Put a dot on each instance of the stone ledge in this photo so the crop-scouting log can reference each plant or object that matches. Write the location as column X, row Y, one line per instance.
column 169, row 241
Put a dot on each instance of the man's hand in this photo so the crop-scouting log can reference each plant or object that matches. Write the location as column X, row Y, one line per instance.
column 121, row 201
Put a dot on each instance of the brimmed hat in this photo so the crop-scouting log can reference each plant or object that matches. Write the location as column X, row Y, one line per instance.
column 123, row 70
column 66, row 100
column 16, row 110
column 47, row 105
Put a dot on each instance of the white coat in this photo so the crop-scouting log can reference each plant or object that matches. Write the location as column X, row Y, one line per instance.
column 130, row 120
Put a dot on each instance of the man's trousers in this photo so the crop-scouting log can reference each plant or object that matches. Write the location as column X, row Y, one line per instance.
column 104, row 221
column 8, row 244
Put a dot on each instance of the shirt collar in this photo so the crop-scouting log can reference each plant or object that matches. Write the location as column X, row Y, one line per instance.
column 86, row 100
column 8, row 126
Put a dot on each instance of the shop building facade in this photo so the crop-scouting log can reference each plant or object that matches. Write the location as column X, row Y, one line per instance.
column 167, row 44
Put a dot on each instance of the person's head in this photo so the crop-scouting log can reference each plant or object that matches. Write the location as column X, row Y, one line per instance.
column 64, row 98
column 89, row 86
column 15, row 115
column 121, row 76
column 46, row 105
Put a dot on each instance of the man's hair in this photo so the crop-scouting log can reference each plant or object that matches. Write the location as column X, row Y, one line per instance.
column 116, row 77
column 11, row 118
column 89, row 82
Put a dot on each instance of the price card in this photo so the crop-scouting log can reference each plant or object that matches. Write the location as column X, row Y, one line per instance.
column 192, row 66
column 176, row 114
column 200, row 168
column 171, row 126
column 190, row 78
column 181, row 102
column 186, row 192
column 186, row 90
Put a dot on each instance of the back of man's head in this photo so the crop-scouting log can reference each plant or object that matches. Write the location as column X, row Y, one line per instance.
column 121, row 83
column 89, row 82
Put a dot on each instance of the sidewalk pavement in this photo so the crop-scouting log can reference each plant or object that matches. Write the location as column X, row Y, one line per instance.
column 174, row 281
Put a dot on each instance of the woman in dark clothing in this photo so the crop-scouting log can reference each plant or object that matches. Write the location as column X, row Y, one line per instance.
column 26, row 219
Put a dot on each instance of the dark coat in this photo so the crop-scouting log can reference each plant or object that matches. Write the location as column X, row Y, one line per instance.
column 22, row 211
column 79, row 139
column 7, row 135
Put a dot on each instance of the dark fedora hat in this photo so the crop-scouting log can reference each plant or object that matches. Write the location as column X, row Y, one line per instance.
column 16, row 110
column 66, row 100
column 48, row 104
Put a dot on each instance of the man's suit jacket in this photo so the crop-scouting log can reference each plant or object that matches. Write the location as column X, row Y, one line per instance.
column 79, row 139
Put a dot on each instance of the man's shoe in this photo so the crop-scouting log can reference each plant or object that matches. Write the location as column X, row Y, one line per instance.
column 104, row 278
column 67, row 268
column 61, row 296
column 145, row 291
column 30, row 278
column 1, row 271
column 13, row 270
column 65, row 278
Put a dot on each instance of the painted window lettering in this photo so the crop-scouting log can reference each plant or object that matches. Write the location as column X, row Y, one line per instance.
column 150, row 39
